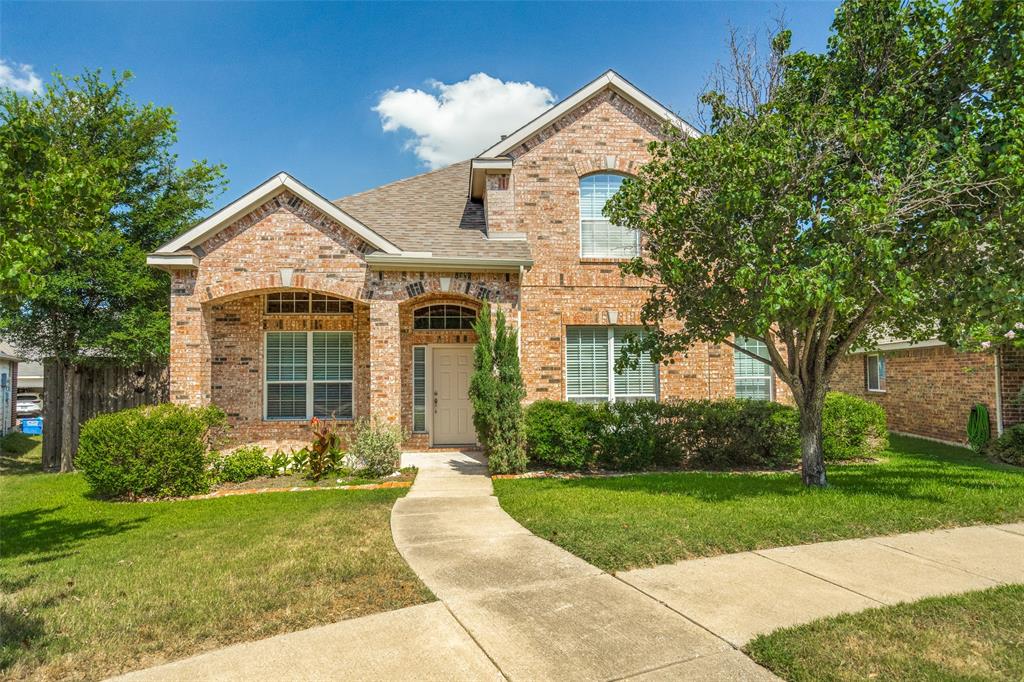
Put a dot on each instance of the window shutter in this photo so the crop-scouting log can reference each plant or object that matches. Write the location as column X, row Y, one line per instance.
column 586, row 362
column 419, row 389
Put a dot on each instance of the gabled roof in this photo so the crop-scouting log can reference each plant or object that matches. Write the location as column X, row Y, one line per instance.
column 431, row 213
column 238, row 208
column 608, row 79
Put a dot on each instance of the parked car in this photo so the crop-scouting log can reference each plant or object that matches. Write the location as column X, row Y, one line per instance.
column 29, row 404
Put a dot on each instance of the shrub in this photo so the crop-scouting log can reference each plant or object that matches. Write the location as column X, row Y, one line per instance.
column 852, row 427
column 735, row 433
column 1009, row 447
column 561, row 434
column 978, row 428
column 632, row 436
column 496, row 390
column 243, row 464
column 377, row 447
column 150, row 451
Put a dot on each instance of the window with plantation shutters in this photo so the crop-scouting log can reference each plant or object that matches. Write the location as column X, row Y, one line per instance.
column 590, row 376
column 753, row 377
column 309, row 374
column 419, row 389
column 599, row 238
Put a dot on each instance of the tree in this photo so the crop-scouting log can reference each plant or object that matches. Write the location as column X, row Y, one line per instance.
column 872, row 190
column 496, row 390
column 90, row 293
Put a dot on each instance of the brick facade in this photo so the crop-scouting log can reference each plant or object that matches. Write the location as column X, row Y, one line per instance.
column 930, row 390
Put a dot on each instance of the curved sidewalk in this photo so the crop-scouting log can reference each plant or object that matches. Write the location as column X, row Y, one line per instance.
column 537, row 611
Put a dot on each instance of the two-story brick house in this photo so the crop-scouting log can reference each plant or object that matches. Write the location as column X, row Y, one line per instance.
column 285, row 305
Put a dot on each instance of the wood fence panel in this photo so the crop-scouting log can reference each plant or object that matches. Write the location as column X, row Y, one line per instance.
column 102, row 388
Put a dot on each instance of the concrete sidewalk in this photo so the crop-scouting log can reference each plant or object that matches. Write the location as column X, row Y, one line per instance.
column 739, row 596
column 539, row 612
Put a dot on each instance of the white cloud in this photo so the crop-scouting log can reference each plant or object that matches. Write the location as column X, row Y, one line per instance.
column 19, row 77
column 461, row 119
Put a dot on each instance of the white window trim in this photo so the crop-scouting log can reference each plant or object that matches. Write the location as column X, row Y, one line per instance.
column 611, row 396
column 309, row 376
column 770, row 377
column 880, row 372
column 579, row 208
column 426, row 387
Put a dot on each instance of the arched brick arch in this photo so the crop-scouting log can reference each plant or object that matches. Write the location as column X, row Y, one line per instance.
column 239, row 287
column 588, row 165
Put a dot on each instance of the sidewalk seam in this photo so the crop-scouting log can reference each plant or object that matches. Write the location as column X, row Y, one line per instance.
column 822, row 578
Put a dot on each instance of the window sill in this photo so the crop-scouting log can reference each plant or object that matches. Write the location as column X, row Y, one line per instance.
column 877, row 390
column 591, row 260
column 303, row 419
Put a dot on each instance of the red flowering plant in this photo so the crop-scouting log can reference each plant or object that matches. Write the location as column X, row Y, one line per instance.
column 325, row 452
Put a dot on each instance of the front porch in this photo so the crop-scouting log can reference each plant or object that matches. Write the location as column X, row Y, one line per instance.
column 275, row 357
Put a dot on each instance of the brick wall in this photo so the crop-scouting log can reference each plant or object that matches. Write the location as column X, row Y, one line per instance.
column 1012, row 384
column 929, row 391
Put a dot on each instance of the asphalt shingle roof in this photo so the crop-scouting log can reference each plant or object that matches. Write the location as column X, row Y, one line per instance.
column 431, row 212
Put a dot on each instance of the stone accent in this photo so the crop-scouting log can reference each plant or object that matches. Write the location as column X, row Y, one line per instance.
column 929, row 391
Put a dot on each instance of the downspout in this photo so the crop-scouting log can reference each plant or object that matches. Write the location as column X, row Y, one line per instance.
column 999, row 395
column 519, row 318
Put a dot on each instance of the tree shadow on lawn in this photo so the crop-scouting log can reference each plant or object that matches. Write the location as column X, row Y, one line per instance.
column 13, row 450
column 915, row 477
column 47, row 535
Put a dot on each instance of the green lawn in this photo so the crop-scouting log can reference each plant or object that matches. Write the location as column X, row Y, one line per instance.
column 91, row 588
column 974, row 636
column 649, row 519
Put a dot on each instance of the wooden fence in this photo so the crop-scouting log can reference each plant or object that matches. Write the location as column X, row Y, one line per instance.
column 102, row 387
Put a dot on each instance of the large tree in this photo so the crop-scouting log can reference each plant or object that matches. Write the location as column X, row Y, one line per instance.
column 94, row 186
column 871, row 190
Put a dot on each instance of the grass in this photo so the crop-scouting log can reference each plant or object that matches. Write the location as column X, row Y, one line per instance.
column 974, row 636
column 649, row 519
column 92, row 588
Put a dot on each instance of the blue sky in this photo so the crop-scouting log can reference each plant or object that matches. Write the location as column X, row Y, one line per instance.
column 265, row 87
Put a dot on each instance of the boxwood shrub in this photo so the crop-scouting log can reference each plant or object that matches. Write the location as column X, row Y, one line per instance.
column 150, row 451
column 242, row 464
column 1009, row 447
column 852, row 427
column 561, row 435
column 714, row 434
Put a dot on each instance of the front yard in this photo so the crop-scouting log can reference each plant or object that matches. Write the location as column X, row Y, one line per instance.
column 974, row 636
column 626, row 522
column 92, row 588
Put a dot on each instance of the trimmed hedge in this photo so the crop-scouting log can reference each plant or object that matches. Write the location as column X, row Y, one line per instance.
column 1009, row 447
column 718, row 434
column 244, row 464
column 150, row 451
column 852, row 427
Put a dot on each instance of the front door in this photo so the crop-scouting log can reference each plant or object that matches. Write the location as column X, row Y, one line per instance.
column 453, row 413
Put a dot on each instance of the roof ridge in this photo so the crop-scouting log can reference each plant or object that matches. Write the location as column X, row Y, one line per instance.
column 400, row 181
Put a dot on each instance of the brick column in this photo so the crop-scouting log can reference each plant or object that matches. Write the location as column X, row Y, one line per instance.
column 385, row 362
column 190, row 345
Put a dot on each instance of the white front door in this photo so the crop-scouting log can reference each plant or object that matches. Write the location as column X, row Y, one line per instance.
column 453, row 413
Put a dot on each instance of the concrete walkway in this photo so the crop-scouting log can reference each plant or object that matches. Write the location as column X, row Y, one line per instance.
column 739, row 596
column 538, row 612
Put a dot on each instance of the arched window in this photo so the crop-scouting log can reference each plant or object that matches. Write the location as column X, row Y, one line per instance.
column 599, row 238
column 291, row 302
column 444, row 316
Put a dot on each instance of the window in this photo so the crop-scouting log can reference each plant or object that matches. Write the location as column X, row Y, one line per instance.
column 309, row 374
column 419, row 389
column 599, row 238
column 303, row 302
column 753, row 377
column 444, row 317
column 590, row 375
column 874, row 371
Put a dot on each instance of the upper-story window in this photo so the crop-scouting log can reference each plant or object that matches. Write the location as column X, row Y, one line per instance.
column 290, row 302
column 444, row 316
column 599, row 238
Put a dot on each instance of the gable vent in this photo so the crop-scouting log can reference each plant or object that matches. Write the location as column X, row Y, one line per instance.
column 414, row 289
column 294, row 202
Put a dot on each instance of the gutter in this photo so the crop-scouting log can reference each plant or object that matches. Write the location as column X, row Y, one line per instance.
column 427, row 261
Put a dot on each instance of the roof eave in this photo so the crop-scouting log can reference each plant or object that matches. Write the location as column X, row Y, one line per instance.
column 427, row 261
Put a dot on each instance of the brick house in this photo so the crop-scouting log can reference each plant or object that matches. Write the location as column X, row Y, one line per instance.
column 285, row 305
column 928, row 388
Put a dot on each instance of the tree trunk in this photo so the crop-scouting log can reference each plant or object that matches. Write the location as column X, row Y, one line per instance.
column 811, row 454
column 67, row 423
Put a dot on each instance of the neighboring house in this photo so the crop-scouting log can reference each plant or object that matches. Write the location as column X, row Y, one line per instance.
column 30, row 377
column 8, row 389
column 928, row 388
column 285, row 305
